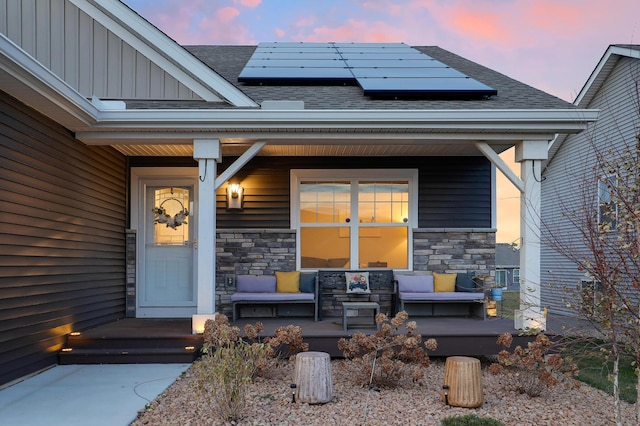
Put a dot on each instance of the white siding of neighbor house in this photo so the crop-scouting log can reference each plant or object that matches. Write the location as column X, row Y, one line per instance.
column 89, row 57
column 569, row 180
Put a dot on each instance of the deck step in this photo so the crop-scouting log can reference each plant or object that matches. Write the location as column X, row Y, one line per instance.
column 128, row 355
column 132, row 345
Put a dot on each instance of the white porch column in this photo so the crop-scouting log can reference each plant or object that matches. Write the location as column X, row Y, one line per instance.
column 530, row 155
column 207, row 153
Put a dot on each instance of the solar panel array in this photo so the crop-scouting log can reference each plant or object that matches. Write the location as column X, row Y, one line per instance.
column 381, row 69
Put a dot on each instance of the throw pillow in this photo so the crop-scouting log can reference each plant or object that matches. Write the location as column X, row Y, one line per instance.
column 444, row 282
column 288, row 282
column 465, row 283
column 357, row 282
column 307, row 282
column 415, row 283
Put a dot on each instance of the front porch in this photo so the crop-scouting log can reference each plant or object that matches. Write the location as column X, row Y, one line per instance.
column 134, row 340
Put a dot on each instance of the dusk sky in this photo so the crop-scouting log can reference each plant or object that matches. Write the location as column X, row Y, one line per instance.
column 552, row 45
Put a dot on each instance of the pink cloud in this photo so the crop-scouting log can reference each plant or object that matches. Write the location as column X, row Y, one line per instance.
column 352, row 30
column 248, row 3
column 227, row 13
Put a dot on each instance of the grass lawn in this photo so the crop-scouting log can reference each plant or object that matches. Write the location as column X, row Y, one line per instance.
column 595, row 370
column 510, row 302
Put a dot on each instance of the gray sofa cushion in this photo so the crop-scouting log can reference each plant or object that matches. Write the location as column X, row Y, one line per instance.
column 256, row 284
column 271, row 297
column 436, row 296
column 415, row 283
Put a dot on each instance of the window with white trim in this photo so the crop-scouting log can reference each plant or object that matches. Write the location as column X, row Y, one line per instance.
column 516, row 275
column 501, row 277
column 607, row 208
column 350, row 219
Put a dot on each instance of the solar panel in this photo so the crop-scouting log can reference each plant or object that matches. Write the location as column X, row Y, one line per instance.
column 381, row 69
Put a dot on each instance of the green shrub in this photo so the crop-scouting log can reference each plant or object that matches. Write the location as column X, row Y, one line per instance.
column 470, row 420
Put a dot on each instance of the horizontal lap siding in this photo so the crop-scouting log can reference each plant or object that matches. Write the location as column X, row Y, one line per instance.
column 569, row 184
column 62, row 261
column 453, row 192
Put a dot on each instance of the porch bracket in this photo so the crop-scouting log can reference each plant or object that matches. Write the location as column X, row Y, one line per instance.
column 207, row 153
column 239, row 163
column 495, row 159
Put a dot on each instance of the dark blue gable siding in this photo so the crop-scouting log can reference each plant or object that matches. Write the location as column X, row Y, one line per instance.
column 454, row 193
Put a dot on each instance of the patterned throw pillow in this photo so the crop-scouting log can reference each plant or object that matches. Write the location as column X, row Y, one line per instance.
column 357, row 282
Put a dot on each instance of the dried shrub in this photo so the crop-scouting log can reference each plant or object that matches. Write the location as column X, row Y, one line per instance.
column 229, row 362
column 533, row 369
column 387, row 357
column 226, row 368
column 285, row 343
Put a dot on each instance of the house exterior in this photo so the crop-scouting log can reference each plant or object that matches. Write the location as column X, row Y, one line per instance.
column 120, row 148
column 507, row 267
column 569, row 181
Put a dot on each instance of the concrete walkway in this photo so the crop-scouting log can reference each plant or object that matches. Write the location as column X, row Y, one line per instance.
column 86, row 395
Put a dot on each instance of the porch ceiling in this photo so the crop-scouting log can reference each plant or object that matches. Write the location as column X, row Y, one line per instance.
column 333, row 150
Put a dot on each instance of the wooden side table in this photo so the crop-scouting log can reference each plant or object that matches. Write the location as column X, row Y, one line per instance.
column 462, row 382
column 351, row 306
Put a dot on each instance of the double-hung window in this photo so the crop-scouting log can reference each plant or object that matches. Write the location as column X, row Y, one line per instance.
column 354, row 218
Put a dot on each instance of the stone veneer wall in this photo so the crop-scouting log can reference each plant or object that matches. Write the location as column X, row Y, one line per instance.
column 262, row 252
column 455, row 250
column 130, row 253
column 247, row 251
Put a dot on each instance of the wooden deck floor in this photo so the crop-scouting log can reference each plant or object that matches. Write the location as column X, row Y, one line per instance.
column 455, row 335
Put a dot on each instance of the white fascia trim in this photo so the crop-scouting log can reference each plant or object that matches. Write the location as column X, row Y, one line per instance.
column 556, row 121
column 162, row 50
column 288, row 137
column 606, row 58
column 24, row 68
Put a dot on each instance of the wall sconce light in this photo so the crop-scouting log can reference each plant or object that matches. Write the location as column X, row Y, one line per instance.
column 235, row 196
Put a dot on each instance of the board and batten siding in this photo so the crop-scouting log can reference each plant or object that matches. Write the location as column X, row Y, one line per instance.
column 85, row 54
column 454, row 192
column 570, row 184
column 62, row 245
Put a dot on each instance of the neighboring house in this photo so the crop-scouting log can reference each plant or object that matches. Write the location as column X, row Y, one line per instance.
column 108, row 127
column 507, row 266
column 569, row 180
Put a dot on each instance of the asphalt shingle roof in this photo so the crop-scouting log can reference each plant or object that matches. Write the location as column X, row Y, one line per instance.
column 229, row 61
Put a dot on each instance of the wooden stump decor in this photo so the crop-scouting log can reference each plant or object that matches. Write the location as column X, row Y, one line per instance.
column 312, row 377
column 462, row 382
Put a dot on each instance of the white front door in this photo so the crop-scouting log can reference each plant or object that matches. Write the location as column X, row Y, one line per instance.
column 166, row 285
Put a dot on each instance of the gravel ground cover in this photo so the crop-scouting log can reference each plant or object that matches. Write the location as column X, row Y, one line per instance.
column 269, row 403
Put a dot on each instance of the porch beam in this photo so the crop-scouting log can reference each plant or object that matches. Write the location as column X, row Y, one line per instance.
column 239, row 163
column 530, row 155
column 207, row 152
